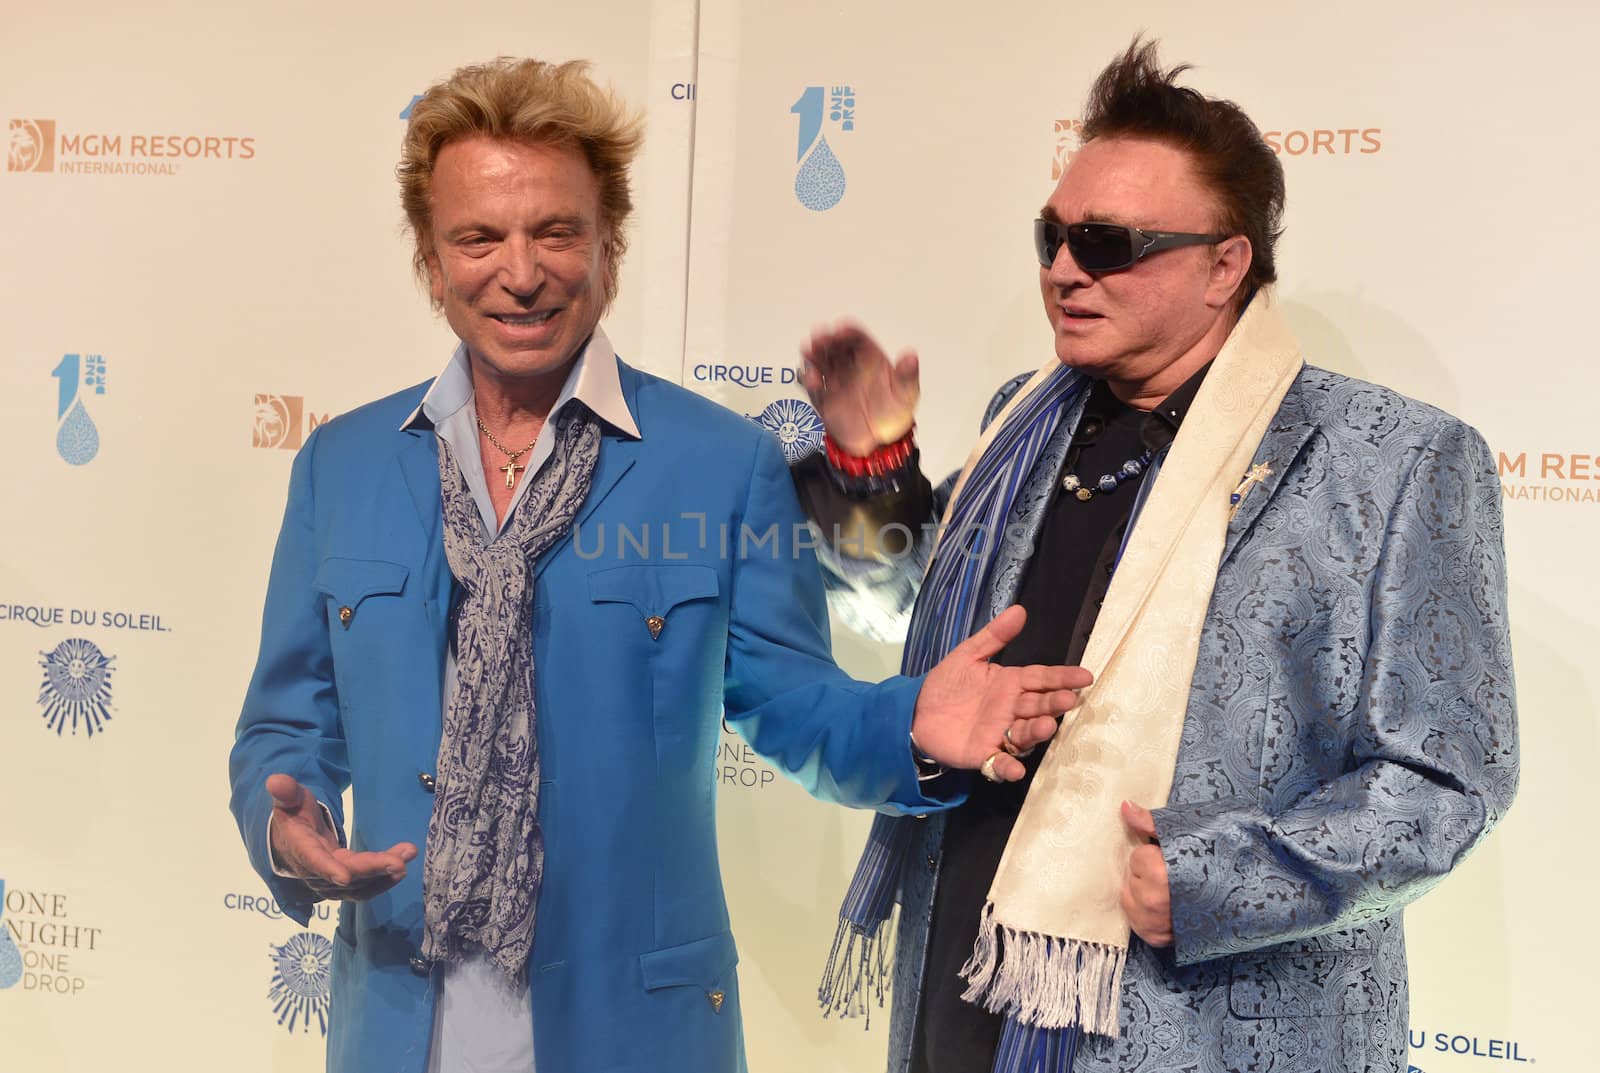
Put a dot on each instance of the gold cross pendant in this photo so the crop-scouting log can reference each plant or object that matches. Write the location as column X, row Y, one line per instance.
column 510, row 470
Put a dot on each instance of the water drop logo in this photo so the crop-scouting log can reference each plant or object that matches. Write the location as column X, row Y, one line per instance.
column 819, row 181
column 797, row 426
column 301, row 969
column 77, row 687
column 77, row 437
column 10, row 956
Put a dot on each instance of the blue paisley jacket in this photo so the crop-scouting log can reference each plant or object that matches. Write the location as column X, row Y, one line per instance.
column 1351, row 736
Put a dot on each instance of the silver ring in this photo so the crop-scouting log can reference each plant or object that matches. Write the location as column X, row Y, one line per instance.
column 987, row 768
column 1010, row 746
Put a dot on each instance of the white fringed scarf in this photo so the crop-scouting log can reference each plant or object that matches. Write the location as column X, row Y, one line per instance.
column 1053, row 939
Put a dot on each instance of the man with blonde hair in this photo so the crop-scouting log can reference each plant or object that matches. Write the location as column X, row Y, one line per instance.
column 507, row 610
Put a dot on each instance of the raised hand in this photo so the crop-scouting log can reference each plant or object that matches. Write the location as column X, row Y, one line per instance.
column 307, row 848
column 864, row 400
column 967, row 704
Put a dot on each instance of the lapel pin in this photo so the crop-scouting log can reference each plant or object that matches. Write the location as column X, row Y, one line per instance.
column 1257, row 475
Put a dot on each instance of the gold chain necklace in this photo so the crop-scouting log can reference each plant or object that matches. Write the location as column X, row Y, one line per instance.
column 510, row 468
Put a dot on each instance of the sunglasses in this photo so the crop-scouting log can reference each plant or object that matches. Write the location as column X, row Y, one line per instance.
column 1107, row 247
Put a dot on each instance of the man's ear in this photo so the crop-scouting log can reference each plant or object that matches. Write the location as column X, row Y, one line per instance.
column 1230, row 263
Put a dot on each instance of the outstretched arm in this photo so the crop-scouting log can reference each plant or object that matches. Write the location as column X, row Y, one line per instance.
column 849, row 741
column 288, row 768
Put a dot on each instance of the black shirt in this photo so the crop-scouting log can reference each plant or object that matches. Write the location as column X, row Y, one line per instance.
column 1062, row 592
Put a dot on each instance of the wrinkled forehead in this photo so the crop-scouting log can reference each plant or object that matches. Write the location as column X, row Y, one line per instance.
column 486, row 153
column 1137, row 182
column 482, row 169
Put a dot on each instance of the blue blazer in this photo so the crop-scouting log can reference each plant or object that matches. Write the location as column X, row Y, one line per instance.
column 695, row 522
column 1351, row 735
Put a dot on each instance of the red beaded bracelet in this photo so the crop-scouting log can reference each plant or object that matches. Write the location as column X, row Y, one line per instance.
column 885, row 458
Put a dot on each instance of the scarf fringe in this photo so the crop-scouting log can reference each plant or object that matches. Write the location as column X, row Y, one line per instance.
column 857, row 971
column 1044, row 980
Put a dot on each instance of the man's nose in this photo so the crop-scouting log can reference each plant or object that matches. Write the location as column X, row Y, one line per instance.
column 520, row 270
column 1064, row 271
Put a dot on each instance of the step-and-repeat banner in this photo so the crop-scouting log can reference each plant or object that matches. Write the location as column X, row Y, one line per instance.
column 205, row 262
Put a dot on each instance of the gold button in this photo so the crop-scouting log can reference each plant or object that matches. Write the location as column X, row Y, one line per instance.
column 656, row 624
column 345, row 615
column 716, row 998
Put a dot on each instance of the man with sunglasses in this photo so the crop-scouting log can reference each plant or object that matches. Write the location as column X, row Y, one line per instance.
column 1290, row 588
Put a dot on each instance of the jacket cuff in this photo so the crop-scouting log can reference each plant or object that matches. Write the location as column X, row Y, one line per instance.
column 1201, row 844
column 912, row 795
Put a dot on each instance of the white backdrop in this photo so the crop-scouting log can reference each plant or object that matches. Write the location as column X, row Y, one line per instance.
column 178, row 312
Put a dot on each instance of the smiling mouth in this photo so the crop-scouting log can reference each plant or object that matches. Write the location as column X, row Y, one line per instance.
column 524, row 320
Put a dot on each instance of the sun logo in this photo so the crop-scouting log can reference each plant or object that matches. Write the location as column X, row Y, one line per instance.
column 301, row 969
column 76, row 687
column 797, row 426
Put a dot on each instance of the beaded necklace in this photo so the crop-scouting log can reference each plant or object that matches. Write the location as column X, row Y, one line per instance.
column 1108, row 482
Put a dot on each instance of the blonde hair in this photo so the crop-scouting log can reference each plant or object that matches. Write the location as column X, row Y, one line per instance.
column 526, row 101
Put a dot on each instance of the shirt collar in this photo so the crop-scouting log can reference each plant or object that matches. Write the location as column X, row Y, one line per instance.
column 1161, row 424
column 593, row 381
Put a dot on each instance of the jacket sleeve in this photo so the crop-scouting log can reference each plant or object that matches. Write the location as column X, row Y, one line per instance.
column 843, row 740
column 1431, row 750
column 873, row 546
column 874, row 542
column 290, row 721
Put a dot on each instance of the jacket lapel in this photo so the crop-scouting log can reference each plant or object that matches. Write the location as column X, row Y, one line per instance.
column 618, row 452
column 418, row 460
column 617, row 455
column 419, row 465
column 1031, row 509
column 1291, row 427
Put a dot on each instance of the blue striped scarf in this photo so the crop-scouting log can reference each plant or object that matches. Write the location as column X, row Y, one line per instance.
column 949, row 609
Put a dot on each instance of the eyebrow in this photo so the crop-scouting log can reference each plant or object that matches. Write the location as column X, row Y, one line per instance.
column 1047, row 213
column 575, row 220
